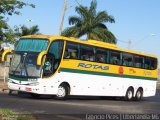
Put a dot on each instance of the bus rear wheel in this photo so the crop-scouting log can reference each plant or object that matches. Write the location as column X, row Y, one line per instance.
column 129, row 94
column 62, row 92
column 139, row 95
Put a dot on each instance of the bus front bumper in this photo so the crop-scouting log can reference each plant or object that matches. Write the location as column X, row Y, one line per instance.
column 37, row 89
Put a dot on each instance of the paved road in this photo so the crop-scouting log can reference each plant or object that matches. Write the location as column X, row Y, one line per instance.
column 47, row 106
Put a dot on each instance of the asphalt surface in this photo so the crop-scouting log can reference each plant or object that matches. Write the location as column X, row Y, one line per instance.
column 77, row 107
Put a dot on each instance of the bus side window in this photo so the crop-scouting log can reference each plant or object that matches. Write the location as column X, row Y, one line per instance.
column 147, row 63
column 153, row 64
column 66, row 54
column 101, row 55
column 87, row 53
column 71, row 51
column 127, row 59
column 138, row 61
column 115, row 58
column 150, row 63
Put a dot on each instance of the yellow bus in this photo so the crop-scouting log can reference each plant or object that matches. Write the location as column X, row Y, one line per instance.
column 63, row 66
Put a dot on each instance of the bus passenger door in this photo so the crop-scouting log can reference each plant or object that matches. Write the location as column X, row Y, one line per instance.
column 53, row 58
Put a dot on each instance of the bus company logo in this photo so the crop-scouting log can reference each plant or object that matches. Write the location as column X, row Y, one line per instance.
column 93, row 66
column 132, row 70
column 121, row 71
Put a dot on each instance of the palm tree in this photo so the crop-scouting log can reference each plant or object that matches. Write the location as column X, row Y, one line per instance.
column 90, row 23
column 34, row 30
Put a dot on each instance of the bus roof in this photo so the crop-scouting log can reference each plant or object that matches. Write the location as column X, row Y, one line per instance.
column 88, row 42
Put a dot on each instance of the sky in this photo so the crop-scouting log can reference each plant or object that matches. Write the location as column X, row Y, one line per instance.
column 137, row 21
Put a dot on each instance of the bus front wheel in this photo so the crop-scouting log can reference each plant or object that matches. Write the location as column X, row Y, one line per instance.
column 129, row 94
column 62, row 92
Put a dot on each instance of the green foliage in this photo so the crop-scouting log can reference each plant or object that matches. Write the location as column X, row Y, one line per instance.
column 25, row 117
column 9, row 8
column 24, row 30
column 10, row 36
column 90, row 23
column 3, row 23
column 8, row 114
column 29, row 31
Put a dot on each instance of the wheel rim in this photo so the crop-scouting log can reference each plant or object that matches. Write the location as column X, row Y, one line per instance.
column 138, row 94
column 130, row 95
column 61, row 92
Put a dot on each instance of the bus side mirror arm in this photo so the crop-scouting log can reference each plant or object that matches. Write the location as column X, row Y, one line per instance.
column 5, row 53
column 40, row 56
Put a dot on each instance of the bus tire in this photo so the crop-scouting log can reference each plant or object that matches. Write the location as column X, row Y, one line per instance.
column 62, row 93
column 129, row 94
column 35, row 96
column 139, row 94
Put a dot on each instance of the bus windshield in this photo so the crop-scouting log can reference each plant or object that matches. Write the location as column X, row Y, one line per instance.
column 32, row 45
column 24, row 65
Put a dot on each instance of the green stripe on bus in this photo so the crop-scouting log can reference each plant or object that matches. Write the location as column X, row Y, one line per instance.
column 105, row 74
column 18, row 78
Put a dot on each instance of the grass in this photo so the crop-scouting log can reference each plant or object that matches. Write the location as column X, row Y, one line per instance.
column 8, row 114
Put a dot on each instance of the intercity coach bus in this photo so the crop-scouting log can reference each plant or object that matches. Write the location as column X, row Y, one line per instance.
column 63, row 66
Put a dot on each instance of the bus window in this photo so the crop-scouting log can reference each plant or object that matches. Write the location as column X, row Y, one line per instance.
column 56, row 49
column 87, row 53
column 153, row 64
column 71, row 51
column 147, row 63
column 101, row 55
column 115, row 58
column 53, row 58
column 150, row 63
column 138, row 61
column 32, row 45
column 127, row 59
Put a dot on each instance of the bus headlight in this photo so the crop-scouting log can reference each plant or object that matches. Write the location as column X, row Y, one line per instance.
column 34, row 83
column 10, row 81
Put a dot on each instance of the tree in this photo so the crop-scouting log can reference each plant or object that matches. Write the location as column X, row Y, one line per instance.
column 9, row 8
column 90, row 23
column 34, row 30
column 9, row 36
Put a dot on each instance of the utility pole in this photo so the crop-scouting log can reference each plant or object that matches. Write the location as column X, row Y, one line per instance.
column 62, row 17
column 129, row 44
